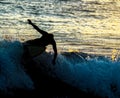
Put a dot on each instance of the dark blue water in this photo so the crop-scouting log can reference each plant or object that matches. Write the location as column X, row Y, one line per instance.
column 74, row 68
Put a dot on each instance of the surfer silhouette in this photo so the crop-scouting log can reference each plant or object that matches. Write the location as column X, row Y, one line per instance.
column 46, row 39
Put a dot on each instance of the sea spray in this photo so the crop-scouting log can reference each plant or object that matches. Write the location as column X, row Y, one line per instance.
column 98, row 75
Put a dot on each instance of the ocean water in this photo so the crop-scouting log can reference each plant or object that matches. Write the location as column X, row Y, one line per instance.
column 90, row 26
column 12, row 73
column 73, row 68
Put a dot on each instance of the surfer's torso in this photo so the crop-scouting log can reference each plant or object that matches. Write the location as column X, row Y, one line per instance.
column 43, row 41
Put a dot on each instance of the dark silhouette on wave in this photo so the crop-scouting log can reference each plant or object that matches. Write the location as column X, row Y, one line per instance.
column 45, row 40
column 45, row 86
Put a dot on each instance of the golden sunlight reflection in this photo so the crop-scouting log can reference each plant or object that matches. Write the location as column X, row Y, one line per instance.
column 115, row 55
column 91, row 26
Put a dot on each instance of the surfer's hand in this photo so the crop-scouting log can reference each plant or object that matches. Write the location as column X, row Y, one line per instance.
column 29, row 21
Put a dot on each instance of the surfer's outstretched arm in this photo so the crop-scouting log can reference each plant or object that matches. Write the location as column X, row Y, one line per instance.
column 38, row 29
column 55, row 52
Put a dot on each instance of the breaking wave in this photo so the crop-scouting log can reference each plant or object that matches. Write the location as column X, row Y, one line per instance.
column 89, row 73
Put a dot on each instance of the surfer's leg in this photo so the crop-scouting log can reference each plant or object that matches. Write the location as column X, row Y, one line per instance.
column 26, row 55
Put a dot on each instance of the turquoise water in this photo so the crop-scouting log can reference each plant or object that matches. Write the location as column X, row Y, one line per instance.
column 90, row 26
